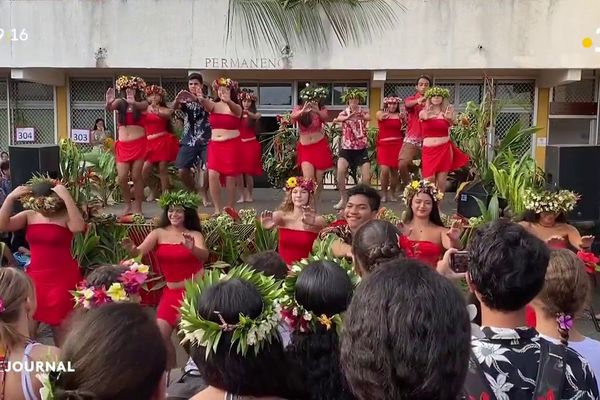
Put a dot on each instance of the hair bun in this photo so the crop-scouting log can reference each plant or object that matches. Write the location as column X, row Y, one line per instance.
column 378, row 255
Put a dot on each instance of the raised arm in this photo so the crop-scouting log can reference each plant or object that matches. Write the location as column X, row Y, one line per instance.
column 147, row 245
column 75, row 223
column 194, row 241
column 323, row 114
column 270, row 219
column 299, row 111
column 166, row 112
column 366, row 116
column 235, row 108
column 252, row 115
column 9, row 223
column 342, row 116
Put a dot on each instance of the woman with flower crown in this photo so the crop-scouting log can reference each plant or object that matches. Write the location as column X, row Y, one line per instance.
column 131, row 144
column 251, row 160
column 180, row 251
column 546, row 218
column 50, row 219
column 313, row 153
column 162, row 145
column 296, row 221
column 392, row 125
column 424, row 235
column 439, row 155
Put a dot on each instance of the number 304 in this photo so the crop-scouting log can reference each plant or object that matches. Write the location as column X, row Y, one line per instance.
column 14, row 35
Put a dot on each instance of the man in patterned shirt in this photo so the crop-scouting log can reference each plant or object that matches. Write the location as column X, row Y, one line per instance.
column 506, row 271
column 196, row 133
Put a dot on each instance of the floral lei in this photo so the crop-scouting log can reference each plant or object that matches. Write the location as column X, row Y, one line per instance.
column 423, row 186
column 562, row 201
column 310, row 93
column 181, row 198
column 247, row 94
column 437, row 91
column 225, row 82
column 130, row 82
column 307, row 184
column 392, row 100
column 131, row 282
column 155, row 89
column 248, row 332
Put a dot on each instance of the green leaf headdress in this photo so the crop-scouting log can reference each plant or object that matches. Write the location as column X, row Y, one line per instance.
column 45, row 205
column 559, row 202
column 437, row 91
column 180, row 198
column 310, row 93
column 354, row 93
column 247, row 332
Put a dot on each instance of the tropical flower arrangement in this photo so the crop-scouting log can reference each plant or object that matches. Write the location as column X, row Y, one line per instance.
column 45, row 205
column 437, row 91
column 307, row 184
column 590, row 260
column 310, row 93
column 247, row 94
column 423, row 186
column 354, row 93
column 224, row 82
column 181, row 198
column 559, row 202
column 130, row 82
column 155, row 89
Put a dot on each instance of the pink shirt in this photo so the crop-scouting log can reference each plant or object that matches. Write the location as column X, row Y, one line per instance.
column 413, row 133
column 354, row 131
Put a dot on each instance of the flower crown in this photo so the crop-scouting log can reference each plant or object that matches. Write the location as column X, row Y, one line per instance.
column 354, row 93
column 310, row 93
column 179, row 198
column 155, row 89
column 297, row 317
column 224, row 82
column 42, row 204
column 131, row 282
column 392, row 100
column 559, row 202
column 437, row 91
column 130, row 82
column 247, row 332
column 307, row 184
column 422, row 187
column 247, row 94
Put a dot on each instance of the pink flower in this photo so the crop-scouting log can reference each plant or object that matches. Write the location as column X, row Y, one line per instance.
column 132, row 281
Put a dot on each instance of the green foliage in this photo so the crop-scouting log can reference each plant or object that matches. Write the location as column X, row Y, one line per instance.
column 100, row 244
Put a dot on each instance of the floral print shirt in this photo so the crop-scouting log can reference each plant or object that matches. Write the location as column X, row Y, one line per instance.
column 338, row 229
column 509, row 360
column 196, row 129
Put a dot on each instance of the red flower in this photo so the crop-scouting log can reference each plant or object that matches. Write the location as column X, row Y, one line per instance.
column 296, row 322
column 132, row 281
column 339, row 222
column 100, row 296
column 549, row 396
column 589, row 259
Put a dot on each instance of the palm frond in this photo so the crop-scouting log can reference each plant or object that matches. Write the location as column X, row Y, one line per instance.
column 306, row 24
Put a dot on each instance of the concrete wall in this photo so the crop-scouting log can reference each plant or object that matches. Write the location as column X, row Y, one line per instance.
column 189, row 34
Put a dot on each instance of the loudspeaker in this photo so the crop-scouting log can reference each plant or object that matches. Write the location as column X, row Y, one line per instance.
column 28, row 160
column 573, row 167
column 466, row 205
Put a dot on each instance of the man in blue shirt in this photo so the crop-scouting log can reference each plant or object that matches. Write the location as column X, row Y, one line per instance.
column 196, row 134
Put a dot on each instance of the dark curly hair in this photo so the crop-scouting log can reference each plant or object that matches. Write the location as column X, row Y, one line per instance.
column 322, row 287
column 191, row 221
column 533, row 217
column 374, row 243
column 406, row 335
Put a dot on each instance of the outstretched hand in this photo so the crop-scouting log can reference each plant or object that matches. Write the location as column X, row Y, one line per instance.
column 130, row 94
column 61, row 191
column 455, row 230
column 309, row 216
column 110, row 95
column 267, row 220
column 128, row 245
column 404, row 229
column 586, row 241
column 555, row 241
column 188, row 241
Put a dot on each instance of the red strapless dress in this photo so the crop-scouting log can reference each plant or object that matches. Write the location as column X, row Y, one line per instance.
column 560, row 245
column 251, row 153
column 53, row 271
column 427, row 252
column 388, row 150
column 164, row 147
column 317, row 154
column 176, row 264
column 294, row 245
column 224, row 156
column 445, row 157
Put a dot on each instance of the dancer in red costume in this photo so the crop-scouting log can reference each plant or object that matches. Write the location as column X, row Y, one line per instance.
column 251, row 153
column 297, row 223
column 392, row 125
column 313, row 154
column 181, row 253
column 130, row 148
column 439, row 155
column 425, row 235
column 414, row 138
column 225, row 146
column 50, row 219
column 162, row 145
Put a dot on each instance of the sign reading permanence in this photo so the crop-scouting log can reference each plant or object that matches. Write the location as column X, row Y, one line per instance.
column 243, row 63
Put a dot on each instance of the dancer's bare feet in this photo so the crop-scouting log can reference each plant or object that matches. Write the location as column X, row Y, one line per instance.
column 127, row 210
column 241, row 200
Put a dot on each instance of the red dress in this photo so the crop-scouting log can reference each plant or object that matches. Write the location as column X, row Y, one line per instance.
column 164, row 147
column 177, row 263
column 388, row 150
column 413, row 132
column 131, row 150
column 53, row 271
column 294, row 244
column 445, row 157
column 422, row 250
column 224, row 156
column 251, row 154
column 317, row 154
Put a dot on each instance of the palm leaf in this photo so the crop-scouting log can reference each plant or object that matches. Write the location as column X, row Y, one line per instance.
column 306, row 24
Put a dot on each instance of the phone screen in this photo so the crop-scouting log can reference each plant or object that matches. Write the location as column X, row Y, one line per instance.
column 459, row 261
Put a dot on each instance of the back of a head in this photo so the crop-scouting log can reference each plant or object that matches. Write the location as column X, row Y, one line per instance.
column 15, row 288
column 374, row 243
column 507, row 265
column 262, row 374
column 371, row 194
column 406, row 335
column 269, row 263
column 108, row 349
column 105, row 275
column 42, row 189
column 566, row 288
column 323, row 287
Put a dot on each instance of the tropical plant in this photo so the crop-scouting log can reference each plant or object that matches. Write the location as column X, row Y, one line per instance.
column 100, row 244
column 306, row 24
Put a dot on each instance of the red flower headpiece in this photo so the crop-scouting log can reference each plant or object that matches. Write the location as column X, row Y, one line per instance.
column 155, row 89
column 247, row 94
column 225, row 82
column 305, row 183
column 392, row 100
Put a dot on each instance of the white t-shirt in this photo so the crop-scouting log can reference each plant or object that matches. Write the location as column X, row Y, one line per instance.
column 588, row 348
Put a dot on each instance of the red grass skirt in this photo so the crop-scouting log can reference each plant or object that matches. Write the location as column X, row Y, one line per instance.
column 318, row 154
column 163, row 148
column 224, row 156
column 168, row 307
column 131, row 150
column 445, row 157
column 251, row 158
column 388, row 152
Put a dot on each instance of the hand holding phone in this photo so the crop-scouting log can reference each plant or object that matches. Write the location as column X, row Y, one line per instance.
column 459, row 261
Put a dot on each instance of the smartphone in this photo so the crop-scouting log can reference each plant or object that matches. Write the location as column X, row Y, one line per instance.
column 459, row 261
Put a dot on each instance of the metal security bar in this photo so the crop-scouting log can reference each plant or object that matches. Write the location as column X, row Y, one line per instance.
column 87, row 103
column 576, row 92
column 4, row 127
column 32, row 106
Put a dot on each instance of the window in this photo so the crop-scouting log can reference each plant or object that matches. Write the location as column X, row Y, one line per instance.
column 340, row 88
column 399, row 89
column 275, row 94
column 570, row 130
column 32, row 106
column 87, row 103
column 575, row 92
